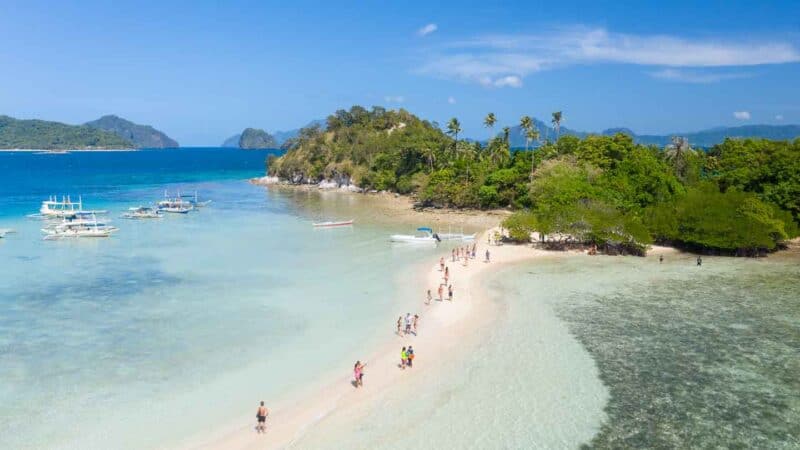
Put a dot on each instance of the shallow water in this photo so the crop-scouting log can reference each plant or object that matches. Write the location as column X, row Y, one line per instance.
column 688, row 357
column 174, row 327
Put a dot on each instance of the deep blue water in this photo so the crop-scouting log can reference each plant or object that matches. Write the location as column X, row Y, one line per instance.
column 27, row 178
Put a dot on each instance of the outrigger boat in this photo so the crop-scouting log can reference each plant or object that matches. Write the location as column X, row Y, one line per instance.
column 193, row 200
column 142, row 212
column 79, row 225
column 424, row 235
column 53, row 208
column 329, row 224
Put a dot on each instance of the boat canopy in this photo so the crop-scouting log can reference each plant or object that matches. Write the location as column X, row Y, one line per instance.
column 425, row 229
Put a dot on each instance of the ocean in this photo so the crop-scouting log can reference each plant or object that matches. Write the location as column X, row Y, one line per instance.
column 172, row 328
column 178, row 325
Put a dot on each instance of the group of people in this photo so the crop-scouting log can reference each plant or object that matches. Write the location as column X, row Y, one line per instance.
column 464, row 253
column 410, row 324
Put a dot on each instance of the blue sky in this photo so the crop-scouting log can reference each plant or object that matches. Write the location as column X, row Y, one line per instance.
column 202, row 71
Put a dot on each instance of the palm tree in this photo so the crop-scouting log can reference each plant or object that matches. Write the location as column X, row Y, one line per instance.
column 453, row 128
column 557, row 117
column 676, row 154
column 429, row 153
column 489, row 121
column 531, row 135
column 506, row 133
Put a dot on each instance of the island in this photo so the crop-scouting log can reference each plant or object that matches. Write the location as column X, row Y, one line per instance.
column 106, row 133
column 142, row 136
column 45, row 135
column 606, row 193
column 254, row 138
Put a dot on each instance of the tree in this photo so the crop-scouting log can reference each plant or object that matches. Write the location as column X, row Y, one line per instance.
column 557, row 117
column 453, row 128
column 526, row 123
column 531, row 135
column 506, row 134
column 489, row 121
column 676, row 153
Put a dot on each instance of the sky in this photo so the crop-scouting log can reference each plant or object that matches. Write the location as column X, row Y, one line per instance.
column 202, row 71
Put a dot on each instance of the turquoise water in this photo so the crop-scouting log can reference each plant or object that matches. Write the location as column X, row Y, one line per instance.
column 177, row 326
column 610, row 352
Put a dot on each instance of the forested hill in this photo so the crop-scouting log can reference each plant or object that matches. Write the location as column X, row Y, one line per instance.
column 740, row 196
column 703, row 138
column 45, row 135
column 142, row 136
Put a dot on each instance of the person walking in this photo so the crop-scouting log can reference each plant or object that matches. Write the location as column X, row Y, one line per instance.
column 358, row 374
column 441, row 297
column 261, row 415
column 450, row 293
column 487, row 256
column 660, row 259
column 400, row 326
column 403, row 358
column 410, row 357
column 441, row 264
column 699, row 260
column 415, row 323
column 454, row 255
column 408, row 323
column 429, row 298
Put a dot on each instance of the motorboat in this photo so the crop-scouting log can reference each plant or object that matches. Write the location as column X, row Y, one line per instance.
column 55, row 208
column 142, row 212
column 79, row 226
column 424, row 235
column 5, row 231
column 330, row 224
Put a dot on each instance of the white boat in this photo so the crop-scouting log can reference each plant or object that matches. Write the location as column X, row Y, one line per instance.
column 424, row 235
column 329, row 224
column 80, row 225
column 54, row 208
column 175, row 205
column 142, row 212
column 5, row 231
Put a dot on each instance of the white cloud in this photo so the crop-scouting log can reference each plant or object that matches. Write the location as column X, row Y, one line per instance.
column 451, row 100
column 779, row 117
column 486, row 59
column 394, row 99
column 694, row 76
column 508, row 80
column 427, row 29
column 741, row 115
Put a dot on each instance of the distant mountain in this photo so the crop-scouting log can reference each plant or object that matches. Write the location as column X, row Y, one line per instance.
column 256, row 138
column 45, row 135
column 280, row 137
column 142, row 136
column 232, row 141
column 703, row 138
column 283, row 136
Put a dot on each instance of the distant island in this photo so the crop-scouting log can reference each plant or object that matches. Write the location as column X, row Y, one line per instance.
column 606, row 192
column 106, row 133
column 280, row 138
column 45, row 135
column 702, row 138
column 142, row 136
column 252, row 138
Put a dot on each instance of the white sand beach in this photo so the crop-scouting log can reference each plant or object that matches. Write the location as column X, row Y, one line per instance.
column 444, row 326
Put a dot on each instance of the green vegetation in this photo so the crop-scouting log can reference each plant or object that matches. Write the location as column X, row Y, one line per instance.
column 142, row 136
column 256, row 138
column 44, row 135
column 743, row 196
